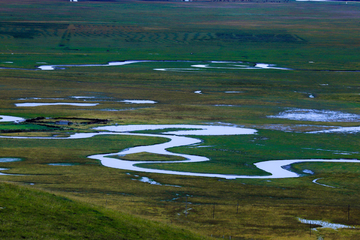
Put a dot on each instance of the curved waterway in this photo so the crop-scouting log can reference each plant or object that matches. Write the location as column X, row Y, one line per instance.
column 194, row 65
column 274, row 168
column 4, row 118
column 203, row 64
column 55, row 104
column 7, row 160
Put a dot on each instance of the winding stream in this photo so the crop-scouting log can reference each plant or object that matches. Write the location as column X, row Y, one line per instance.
column 275, row 168
column 53, row 104
column 7, row 160
column 197, row 65
column 4, row 118
column 324, row 224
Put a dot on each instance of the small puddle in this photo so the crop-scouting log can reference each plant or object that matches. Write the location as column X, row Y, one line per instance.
column 36, row 98
column 324, row 224
column 308, row 171
column 138, row 101
column 4, row 118
column 6, row 160
column 351, row 130
column 317, row 115
column 55, row 104
column 231, row 92
column 83, row 97
column 151, row 181
column 62, row 164
column 224, row 65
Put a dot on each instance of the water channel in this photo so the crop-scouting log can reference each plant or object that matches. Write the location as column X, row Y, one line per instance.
column 274, row 168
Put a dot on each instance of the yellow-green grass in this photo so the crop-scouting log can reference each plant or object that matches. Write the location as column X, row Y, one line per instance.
column 34, row 214
column 144, row 156
column 275, row 33
column 236, row 154
column 262, row 93
column 266, row 209
column 6, row 127
column 326, row 37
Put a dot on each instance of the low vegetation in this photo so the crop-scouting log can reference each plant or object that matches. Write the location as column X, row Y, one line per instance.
column 317, row 40
column 144, row 156
column 32, row 214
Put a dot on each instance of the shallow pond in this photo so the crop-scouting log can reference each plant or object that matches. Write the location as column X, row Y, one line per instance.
column 134, row 101
column 317, row 115
column 4, row 118
column 339, row 130
column 6, row 160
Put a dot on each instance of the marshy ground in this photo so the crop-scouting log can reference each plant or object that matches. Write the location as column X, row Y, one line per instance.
column 311, row 85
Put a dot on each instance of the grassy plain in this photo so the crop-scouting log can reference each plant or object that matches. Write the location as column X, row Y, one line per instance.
column 319, row 40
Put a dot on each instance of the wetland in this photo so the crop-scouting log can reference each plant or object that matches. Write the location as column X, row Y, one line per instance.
column 241, row 122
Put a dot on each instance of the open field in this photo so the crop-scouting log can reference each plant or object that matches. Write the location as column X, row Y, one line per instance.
column 313, row 85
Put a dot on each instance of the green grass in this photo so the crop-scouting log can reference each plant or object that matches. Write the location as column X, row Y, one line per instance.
column 57, row 150
column 24, row 128
column 280, row 201
column 128, row 30
column 310, row 37
column 34, row 214
column 144, row 156
column 237, row 154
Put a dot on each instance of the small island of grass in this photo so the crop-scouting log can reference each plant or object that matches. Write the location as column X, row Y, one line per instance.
column 145, row 156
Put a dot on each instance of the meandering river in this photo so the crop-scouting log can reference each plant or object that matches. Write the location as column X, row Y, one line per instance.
column 274, row 168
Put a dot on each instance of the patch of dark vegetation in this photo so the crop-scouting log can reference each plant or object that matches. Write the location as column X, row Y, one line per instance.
column 67, row 121
column 25, row 34
column 26, row 127
column 311, row 225
column 260, row 37
column 27, row 130
column 25, row 30
column 34, row 25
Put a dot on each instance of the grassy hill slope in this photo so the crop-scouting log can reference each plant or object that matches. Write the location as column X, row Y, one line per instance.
column 32, row 214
